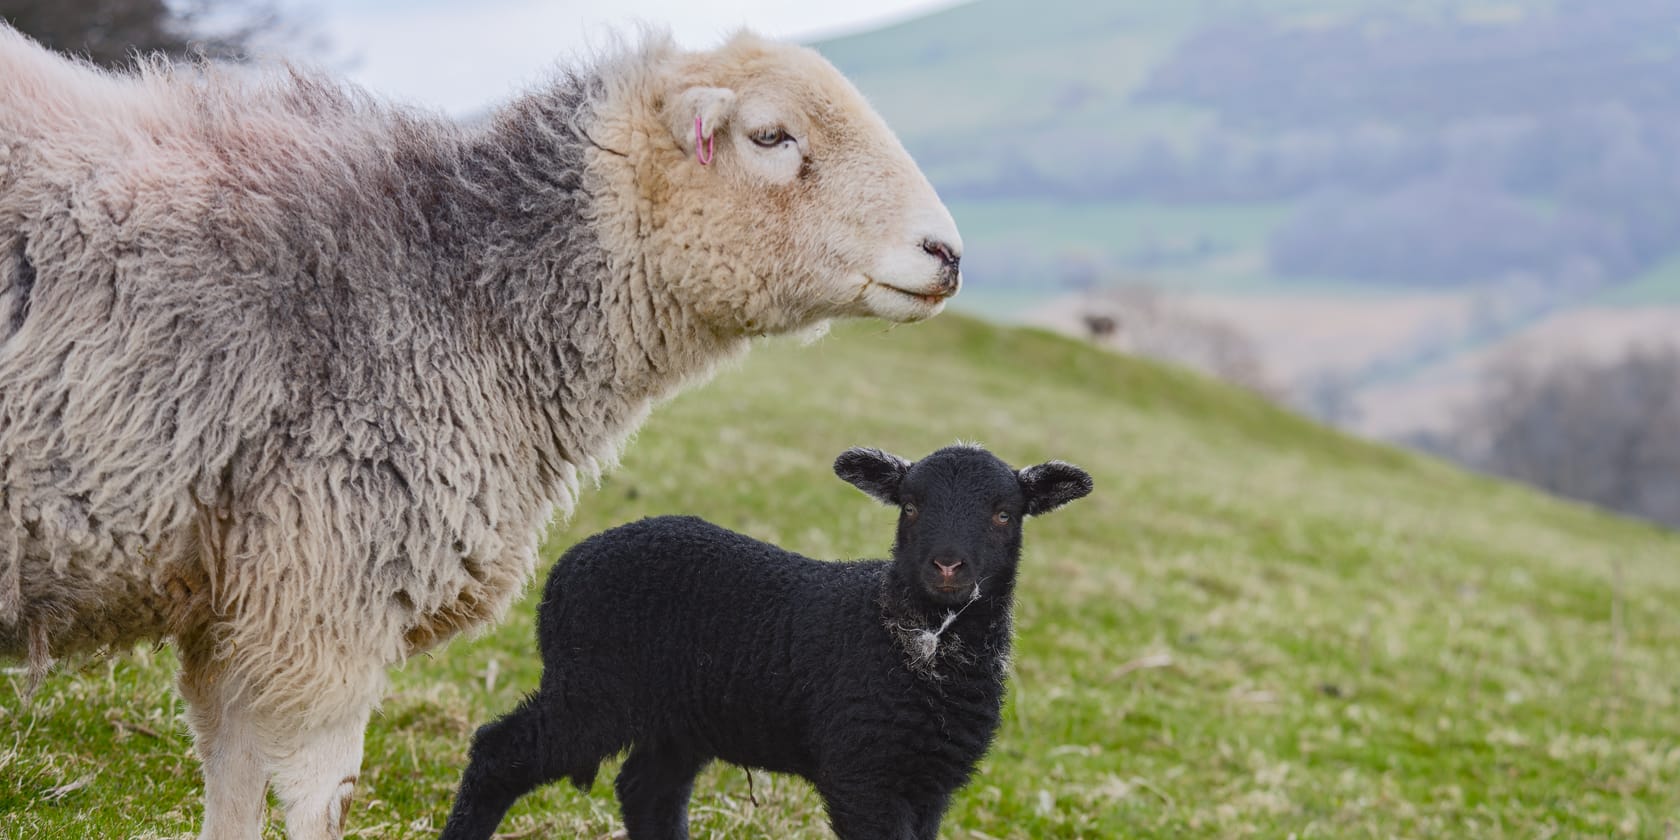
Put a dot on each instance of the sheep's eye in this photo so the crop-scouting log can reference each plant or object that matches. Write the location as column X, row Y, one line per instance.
column 909, row 510
column 1001, row 518
column 770, row 137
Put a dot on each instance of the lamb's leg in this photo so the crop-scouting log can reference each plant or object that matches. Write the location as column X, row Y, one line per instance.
column 518, row 752
column 929, row 813
column 867, row 812
column 654, row 787
column 314, row 773
column 235, row 780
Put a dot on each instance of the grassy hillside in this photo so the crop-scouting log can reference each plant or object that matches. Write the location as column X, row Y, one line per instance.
column 1253, row 627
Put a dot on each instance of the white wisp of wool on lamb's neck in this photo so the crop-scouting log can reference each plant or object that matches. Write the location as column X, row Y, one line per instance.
column 927, row 641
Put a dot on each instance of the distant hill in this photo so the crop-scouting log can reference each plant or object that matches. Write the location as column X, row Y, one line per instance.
column 1484, row 167
column 1221, row 142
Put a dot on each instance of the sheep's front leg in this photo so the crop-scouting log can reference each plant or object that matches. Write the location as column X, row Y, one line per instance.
column 314, row 774
column 235, row 777
column 235, row 781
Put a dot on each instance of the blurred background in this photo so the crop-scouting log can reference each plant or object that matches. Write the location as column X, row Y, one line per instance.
column 1454, row 224
column 1451, row 224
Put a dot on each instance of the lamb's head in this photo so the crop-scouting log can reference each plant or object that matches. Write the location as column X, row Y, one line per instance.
column 960, row 512
column 781, row 199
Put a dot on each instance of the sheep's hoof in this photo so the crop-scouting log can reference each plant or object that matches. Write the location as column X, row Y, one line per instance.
column 338, row 808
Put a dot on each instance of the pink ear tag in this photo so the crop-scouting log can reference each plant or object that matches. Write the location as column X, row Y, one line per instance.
column 703, row 145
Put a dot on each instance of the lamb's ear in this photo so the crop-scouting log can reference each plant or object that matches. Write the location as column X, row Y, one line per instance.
column 1052, row 484
column 713, row 105
column 872, row 471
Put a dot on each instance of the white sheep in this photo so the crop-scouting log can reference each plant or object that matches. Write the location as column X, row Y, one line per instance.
column 296, row 379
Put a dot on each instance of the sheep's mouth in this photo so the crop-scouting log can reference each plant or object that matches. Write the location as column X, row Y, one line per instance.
column 952, row 592
column 898, row 304
column 930, row 298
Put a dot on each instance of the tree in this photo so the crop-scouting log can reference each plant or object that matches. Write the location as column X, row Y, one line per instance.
column 1605, row 432
column 112, row 32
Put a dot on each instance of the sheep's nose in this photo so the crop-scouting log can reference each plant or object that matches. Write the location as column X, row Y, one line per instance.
column 948, row 570
column 947, row 256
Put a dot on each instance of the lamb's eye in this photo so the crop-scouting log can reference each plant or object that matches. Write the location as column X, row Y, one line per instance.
column 769, row 137
column 909, row 510
column 1001, row 518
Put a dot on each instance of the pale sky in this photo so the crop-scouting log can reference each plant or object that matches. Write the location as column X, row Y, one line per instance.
column 462, row 56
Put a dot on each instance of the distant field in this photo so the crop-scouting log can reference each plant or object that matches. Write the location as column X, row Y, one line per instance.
column 1296, row 332
column 1001, row 305
column 1127, row 243
column 1427, row 400
column 1254, row 627
column 1660, row 285
column 1121, row 228
column 998, row 65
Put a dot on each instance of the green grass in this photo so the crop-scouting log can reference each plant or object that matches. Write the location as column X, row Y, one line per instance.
column 1254, row 627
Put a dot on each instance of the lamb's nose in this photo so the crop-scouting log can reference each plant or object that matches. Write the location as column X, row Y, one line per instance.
column 948, row 570
column 946, row 255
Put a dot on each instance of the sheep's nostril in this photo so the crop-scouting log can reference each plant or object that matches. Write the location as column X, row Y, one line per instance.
column 948, row 570
column 945, row 253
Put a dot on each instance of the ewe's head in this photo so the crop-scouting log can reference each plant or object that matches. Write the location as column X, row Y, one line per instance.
column 808, row 209
column 960, row 512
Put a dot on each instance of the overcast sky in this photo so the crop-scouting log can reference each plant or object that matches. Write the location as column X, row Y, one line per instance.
column 460, row 56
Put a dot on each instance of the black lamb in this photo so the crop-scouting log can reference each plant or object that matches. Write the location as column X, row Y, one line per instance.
column 880, row 682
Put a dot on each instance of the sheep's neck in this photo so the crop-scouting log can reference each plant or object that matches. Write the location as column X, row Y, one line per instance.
column 590, row 332
column 938, row 638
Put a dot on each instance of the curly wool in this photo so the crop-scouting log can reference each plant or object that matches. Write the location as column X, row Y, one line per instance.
column 879, row 682
column 271, row 350
column 714, row 644
column 295, row 379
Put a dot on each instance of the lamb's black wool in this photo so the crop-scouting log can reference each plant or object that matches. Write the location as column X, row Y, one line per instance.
column 880, row 681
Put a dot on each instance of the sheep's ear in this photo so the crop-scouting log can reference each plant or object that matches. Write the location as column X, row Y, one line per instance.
column 873, row 471
column 713, row 105
column 1052, row 484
